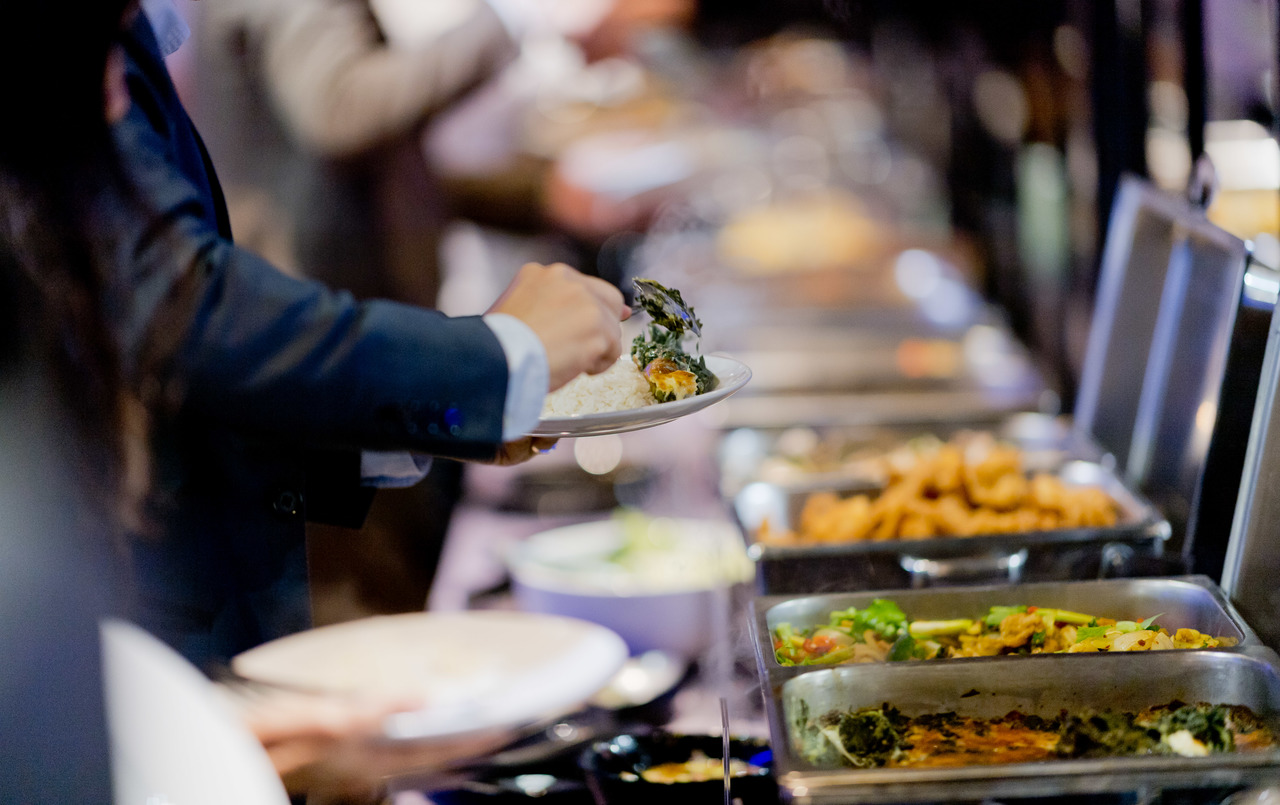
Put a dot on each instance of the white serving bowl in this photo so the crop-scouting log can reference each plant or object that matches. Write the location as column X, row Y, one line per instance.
column 660, row 583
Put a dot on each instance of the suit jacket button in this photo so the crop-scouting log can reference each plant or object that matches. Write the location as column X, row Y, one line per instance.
column 287, row 503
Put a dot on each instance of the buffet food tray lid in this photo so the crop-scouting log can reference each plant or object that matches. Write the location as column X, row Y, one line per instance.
column 779, row 505
column 992, row 687
column 1192, row 601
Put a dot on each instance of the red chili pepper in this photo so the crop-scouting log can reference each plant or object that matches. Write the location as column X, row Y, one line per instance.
column 817, row 646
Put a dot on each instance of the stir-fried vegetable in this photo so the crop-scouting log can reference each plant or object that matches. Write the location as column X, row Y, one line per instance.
column 882, row 632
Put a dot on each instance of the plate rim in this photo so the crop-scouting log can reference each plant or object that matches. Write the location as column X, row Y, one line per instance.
column 610, row 422
column 612, row 650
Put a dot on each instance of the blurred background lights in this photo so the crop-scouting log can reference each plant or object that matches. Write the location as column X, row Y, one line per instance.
column 1001, row 104
column 917, row 273
column 951, row 305
column 599, row 455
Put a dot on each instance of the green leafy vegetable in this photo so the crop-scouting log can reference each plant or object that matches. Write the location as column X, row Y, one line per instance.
column 1207, row 724
column 940, row 628
column 1105, row 734
column 905, row 648
column 660, row 344
column 869, row 735
column 997, row 614
column 881, row 616
column 670, row 315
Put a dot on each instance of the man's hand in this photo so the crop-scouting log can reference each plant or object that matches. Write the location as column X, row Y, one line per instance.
column 521, row 450
column 575, row 316
column 331, row 746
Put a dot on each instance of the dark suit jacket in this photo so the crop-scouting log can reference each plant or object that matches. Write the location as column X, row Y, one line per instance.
column 281, row 382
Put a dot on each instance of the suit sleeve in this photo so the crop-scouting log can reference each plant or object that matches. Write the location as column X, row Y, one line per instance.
column 287, row 358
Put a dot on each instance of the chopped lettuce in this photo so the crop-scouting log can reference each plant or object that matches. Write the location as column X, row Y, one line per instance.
column 1090, row 632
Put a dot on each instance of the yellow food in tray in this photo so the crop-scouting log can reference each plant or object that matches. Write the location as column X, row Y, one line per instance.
column 882, row 632
column 822, row 232
column 950, row 493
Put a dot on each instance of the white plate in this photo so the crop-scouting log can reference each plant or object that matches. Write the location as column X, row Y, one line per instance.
column 173, row 738
column 732, row 375
column 480, row 672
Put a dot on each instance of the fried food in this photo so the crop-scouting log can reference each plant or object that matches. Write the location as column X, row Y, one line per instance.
column 950, row 492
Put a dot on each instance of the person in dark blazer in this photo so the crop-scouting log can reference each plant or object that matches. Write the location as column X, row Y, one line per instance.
column 286, row 393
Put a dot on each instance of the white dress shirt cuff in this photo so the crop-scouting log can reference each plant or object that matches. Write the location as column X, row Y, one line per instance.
column 392, row 469
column 528, row 374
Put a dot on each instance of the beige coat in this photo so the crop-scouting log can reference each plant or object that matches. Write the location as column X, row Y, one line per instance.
column 314, row 121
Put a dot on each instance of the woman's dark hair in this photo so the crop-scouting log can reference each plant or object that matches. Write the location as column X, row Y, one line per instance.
column 55, row 157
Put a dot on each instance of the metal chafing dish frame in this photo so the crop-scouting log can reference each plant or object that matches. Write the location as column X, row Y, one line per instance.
column 1202, row 374
column 1252, row 562
column 888, row 564
column 1045, row 685
column 1131, row 393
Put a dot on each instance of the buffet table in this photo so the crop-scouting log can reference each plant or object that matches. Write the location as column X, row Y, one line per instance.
column 887, row 330
column 676, row 475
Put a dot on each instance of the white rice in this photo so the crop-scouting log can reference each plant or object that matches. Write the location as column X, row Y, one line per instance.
column 621, row 387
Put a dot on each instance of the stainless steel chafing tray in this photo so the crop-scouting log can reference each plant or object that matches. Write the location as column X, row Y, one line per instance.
column 1043, row 685
column 1173, row 362
column 1194, row 602
column 1070, row 553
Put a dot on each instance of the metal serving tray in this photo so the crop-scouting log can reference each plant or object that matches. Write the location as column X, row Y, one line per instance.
column 1194, row 602
column 1043, row 685
column 1069, row 553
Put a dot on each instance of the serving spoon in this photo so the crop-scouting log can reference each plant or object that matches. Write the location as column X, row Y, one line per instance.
column 665, row 306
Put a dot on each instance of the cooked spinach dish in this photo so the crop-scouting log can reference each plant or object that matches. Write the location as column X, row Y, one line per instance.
column 672, row 372
column 884, row 737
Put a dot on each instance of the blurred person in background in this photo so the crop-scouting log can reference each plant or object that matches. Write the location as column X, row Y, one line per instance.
column 314, row 111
